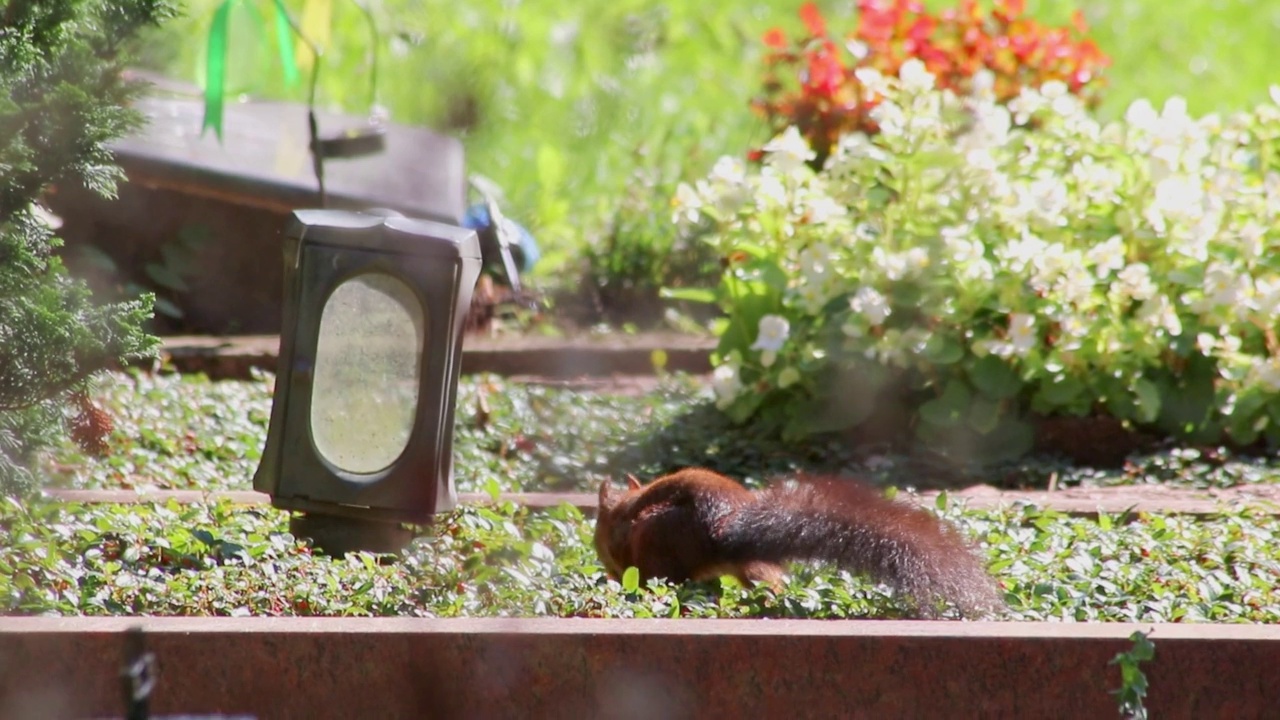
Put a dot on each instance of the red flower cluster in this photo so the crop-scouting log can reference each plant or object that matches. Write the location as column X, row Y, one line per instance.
column 810, row 83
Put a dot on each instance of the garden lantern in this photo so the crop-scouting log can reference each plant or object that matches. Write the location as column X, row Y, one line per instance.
column 361, row 432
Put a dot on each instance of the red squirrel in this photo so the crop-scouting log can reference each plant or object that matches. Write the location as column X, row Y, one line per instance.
column 696, row 524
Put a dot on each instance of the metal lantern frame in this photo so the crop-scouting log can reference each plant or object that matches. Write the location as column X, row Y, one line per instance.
column 438, row 264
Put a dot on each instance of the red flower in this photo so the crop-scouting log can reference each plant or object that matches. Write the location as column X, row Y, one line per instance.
column 810, row 84
column 813, row 20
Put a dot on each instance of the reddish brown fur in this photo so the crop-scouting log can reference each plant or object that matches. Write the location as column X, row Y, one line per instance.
column 697, row 524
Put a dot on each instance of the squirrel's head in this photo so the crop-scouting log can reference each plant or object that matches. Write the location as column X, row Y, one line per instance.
column 609, row 496
column 611, row 530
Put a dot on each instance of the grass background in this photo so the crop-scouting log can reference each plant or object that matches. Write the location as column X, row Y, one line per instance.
column 588, row 112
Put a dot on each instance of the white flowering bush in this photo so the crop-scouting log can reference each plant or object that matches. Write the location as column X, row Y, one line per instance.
column 1001, row 262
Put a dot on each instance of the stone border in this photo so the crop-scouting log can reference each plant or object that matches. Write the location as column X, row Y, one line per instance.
column 281, row 668
column 553, row 358
column 1085, row 502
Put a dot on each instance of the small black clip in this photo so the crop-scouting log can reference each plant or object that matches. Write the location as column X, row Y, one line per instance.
column 137, row 675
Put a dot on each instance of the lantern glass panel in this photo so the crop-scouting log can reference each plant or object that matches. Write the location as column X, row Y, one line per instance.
column 367, row 373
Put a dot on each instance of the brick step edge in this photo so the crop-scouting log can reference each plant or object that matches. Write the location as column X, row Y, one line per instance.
column 283, row 668
column 1080, row 502
column 233, row 357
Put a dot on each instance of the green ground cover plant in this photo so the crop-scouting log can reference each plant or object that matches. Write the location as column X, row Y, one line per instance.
column 219, row 559
column 185, row 432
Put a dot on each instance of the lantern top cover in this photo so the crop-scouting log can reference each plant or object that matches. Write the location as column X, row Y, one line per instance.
column 359, row 231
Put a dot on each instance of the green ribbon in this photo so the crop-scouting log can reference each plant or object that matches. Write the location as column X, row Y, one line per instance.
column 216, row 64
column 215, row 70
column 284, row 39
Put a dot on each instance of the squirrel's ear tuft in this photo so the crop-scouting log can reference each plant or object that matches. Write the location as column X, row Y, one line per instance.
column 632, row 482
column 605, row 498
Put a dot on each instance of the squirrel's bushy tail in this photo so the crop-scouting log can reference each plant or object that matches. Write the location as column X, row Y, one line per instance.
column 854, row 526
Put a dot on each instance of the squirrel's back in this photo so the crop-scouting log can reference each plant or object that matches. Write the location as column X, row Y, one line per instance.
column 696, row 524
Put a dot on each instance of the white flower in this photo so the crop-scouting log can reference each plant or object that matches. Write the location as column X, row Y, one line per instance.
column 770, row 191
column 1044, row 198
column 991, row 127
column 688, row 205
column 820, row 208
column 1252, row 239
column 1160, row 313
column 1097, row 182
column 1028, row 103
column 1022, row 333
column 915, row 77
column 897, row 266
column 1267, row 372
column 726, row 186
column 870, row 304
column 1075, row 284
column 1135, row 281
column 1054, row 89
column 891, row 119
column 873, row 82
column 729, row 170
column 726, row 384
column 1178, row 197
column 1074, row 329
column 815, row 264
column 788, row 152
column 983, row 83
column 1053, row 260
column 1224, row 286
column 1108, row 256
column 1205, row 343
column 1141, row 115
column 1018, row 253
column 1266, row 297
column 962, row 246
column 772, row 334
column 857, row 146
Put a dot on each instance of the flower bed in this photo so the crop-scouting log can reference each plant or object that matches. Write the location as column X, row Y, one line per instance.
column 975, row 266
column 186, row 433
column 503, row 560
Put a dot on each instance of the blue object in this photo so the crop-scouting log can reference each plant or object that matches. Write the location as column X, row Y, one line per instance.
column 525, row 250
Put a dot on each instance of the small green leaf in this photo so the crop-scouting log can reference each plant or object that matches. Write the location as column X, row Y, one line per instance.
column 947, row 409
column 700, row 295
column 1059, row 392
column 994, row 378
column 943, row 350
column 1147, row 400
column 984, row 415
column 166, row 278
column 631, row 579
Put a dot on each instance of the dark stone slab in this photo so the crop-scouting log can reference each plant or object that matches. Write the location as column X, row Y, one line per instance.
column 225, row 205
column 263, row 160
